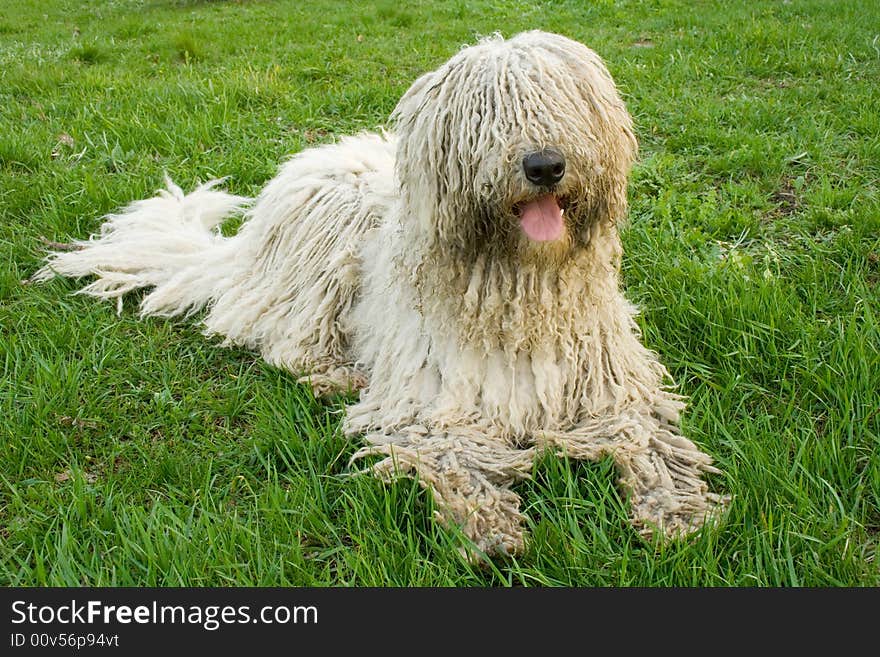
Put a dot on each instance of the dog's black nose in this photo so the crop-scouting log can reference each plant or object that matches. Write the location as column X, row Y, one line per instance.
column 545, row 167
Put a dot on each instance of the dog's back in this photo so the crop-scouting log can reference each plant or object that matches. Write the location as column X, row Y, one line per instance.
column 282, row 283
column 298, row 269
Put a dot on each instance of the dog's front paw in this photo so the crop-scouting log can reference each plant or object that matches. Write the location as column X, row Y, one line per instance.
column 668, row 494
column 488, row 515
column 469, row 474
column 670, row 514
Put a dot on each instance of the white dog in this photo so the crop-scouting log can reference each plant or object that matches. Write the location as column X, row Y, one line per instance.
column 462, row 271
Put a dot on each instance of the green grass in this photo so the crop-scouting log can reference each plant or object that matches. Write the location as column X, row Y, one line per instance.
column 137, row 452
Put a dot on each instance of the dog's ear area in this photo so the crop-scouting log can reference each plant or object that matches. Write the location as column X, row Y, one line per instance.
column 410, row 104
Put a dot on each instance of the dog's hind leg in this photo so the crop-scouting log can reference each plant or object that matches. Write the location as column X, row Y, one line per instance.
column 661, row 470
column 469, row 473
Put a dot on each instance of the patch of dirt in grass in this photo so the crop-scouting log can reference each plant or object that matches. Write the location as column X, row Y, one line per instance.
column 873, row 276
column 67, row 475
column 67, row 421
column 786, row 199
column 120, row 464
column 314, row 136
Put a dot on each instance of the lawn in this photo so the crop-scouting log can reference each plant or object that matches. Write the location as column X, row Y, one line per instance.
column 138, row 453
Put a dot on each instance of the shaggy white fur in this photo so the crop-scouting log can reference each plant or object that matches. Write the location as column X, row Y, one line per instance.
column 429, row 269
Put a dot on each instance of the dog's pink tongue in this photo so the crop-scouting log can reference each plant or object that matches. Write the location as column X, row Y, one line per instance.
column 541, row 219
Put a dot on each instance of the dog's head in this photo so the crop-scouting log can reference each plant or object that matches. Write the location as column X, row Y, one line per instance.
column 514, row 146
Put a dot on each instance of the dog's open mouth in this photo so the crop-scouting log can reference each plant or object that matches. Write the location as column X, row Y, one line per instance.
column 541, row 218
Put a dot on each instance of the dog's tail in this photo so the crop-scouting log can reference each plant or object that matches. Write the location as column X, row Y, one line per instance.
column 171, row 243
